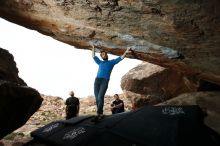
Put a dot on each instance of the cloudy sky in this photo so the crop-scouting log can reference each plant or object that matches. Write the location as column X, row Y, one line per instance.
column 55, row 68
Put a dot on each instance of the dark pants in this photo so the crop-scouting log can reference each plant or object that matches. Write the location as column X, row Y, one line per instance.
column 100, row 88
column 117, row 110
column 71, row 111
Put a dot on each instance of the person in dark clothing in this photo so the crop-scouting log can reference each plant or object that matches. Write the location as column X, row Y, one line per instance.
column 103, row 77
column 72, row 106
column 117, row 105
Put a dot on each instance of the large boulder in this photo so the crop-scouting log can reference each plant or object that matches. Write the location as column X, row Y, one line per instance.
column 8, row 69
column 17, row 101
column 17, row 104
column 158, row 82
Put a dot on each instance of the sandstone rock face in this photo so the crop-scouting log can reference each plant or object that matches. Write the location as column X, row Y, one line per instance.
column 17, row 101
column 8, row 69
column 161, row 83
column 183, row 35
column 17, row 104
column 209, row 101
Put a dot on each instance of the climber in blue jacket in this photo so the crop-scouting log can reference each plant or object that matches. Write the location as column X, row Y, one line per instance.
column 103, row 77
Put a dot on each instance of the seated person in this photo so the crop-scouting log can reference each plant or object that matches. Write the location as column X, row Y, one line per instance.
column 72, row 106
column 117, row 105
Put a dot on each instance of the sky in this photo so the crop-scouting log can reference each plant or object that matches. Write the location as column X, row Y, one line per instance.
column 55, row 68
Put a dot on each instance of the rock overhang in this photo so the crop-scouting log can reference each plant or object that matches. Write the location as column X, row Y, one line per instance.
column 182, row 35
